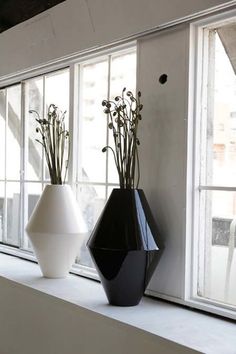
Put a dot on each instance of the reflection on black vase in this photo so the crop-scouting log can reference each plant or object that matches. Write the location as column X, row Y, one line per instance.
column 124, row 246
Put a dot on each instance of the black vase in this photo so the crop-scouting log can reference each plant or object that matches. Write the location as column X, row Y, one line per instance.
column 123, row 246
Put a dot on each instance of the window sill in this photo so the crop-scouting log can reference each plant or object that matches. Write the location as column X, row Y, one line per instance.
column 171, row 322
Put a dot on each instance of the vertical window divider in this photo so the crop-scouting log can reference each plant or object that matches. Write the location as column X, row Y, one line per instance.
column 78, row 119
column 202, row 163
column 209, row 158
column 23, row 159
column 43, row 154
column 73, row 124
column 199, row 146
column 107, row 135
column 190, row 190
column 5, row 174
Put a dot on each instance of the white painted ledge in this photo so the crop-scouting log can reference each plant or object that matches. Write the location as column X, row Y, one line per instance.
column 195, row 331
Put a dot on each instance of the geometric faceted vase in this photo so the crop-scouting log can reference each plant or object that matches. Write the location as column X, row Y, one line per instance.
column 124, row 246
column 55, row 230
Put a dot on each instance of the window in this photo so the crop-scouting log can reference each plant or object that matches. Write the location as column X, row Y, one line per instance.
column 96, row 174
column 10, row 120
column 215, row 192
column 23, row 171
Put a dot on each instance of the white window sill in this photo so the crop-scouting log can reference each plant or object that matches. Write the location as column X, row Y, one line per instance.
column 191, row 329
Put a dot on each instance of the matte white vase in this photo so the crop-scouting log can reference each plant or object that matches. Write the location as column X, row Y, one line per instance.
column 56, row 230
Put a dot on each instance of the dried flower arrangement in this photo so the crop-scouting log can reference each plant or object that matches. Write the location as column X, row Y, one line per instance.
column 123, row 118
column 55, row 141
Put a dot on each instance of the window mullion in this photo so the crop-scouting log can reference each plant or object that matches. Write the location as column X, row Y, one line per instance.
column 78, row 123
column 73, row 123
column 107, row 132
column 43, row 154
column 209, row 162
column 24, row 153
column 5, row 172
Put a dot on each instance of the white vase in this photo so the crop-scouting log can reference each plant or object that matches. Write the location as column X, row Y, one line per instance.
column 56, row 230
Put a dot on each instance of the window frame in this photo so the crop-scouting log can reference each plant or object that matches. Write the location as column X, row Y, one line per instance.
column 73, row 64
column 199, row 36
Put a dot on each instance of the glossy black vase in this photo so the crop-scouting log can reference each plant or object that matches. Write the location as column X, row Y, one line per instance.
column 124, row 248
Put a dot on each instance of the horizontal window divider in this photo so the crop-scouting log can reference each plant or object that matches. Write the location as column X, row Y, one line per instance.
column 34, row 181
column 97, row 183
column 17, row 252
column 213, row 302
column 9, row 245
column 217, row 188
column 26, row 181
column 10, row 180
column 84, row 271
column 198, row 303
column 76, row 183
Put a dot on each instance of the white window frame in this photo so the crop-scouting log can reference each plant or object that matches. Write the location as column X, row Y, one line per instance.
column 21, row 249
column 199, row 32
column 72, row 63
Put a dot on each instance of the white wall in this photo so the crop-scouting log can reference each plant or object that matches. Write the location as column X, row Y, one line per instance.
column 75, row 25
column 163, row 133
column 37, row 323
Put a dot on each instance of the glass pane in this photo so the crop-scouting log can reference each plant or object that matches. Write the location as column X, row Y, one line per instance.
column 57, row 92
column 123, row 74
column 113, row 176
column 34, row 101
column 13, row 133
column 91, row 200
column 2, row 132
column 92, row 162
column 2, row 199
column 33, row 192
column 221, row 135
column 13, row 213
column 218, row 271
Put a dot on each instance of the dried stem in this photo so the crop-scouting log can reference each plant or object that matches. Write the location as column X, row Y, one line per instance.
column 123, row 116
column 54, row 139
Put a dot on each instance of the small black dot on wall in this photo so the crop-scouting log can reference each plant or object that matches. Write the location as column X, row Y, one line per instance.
column 163, row 79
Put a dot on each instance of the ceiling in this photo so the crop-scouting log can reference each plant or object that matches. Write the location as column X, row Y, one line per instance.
column 13, row 12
